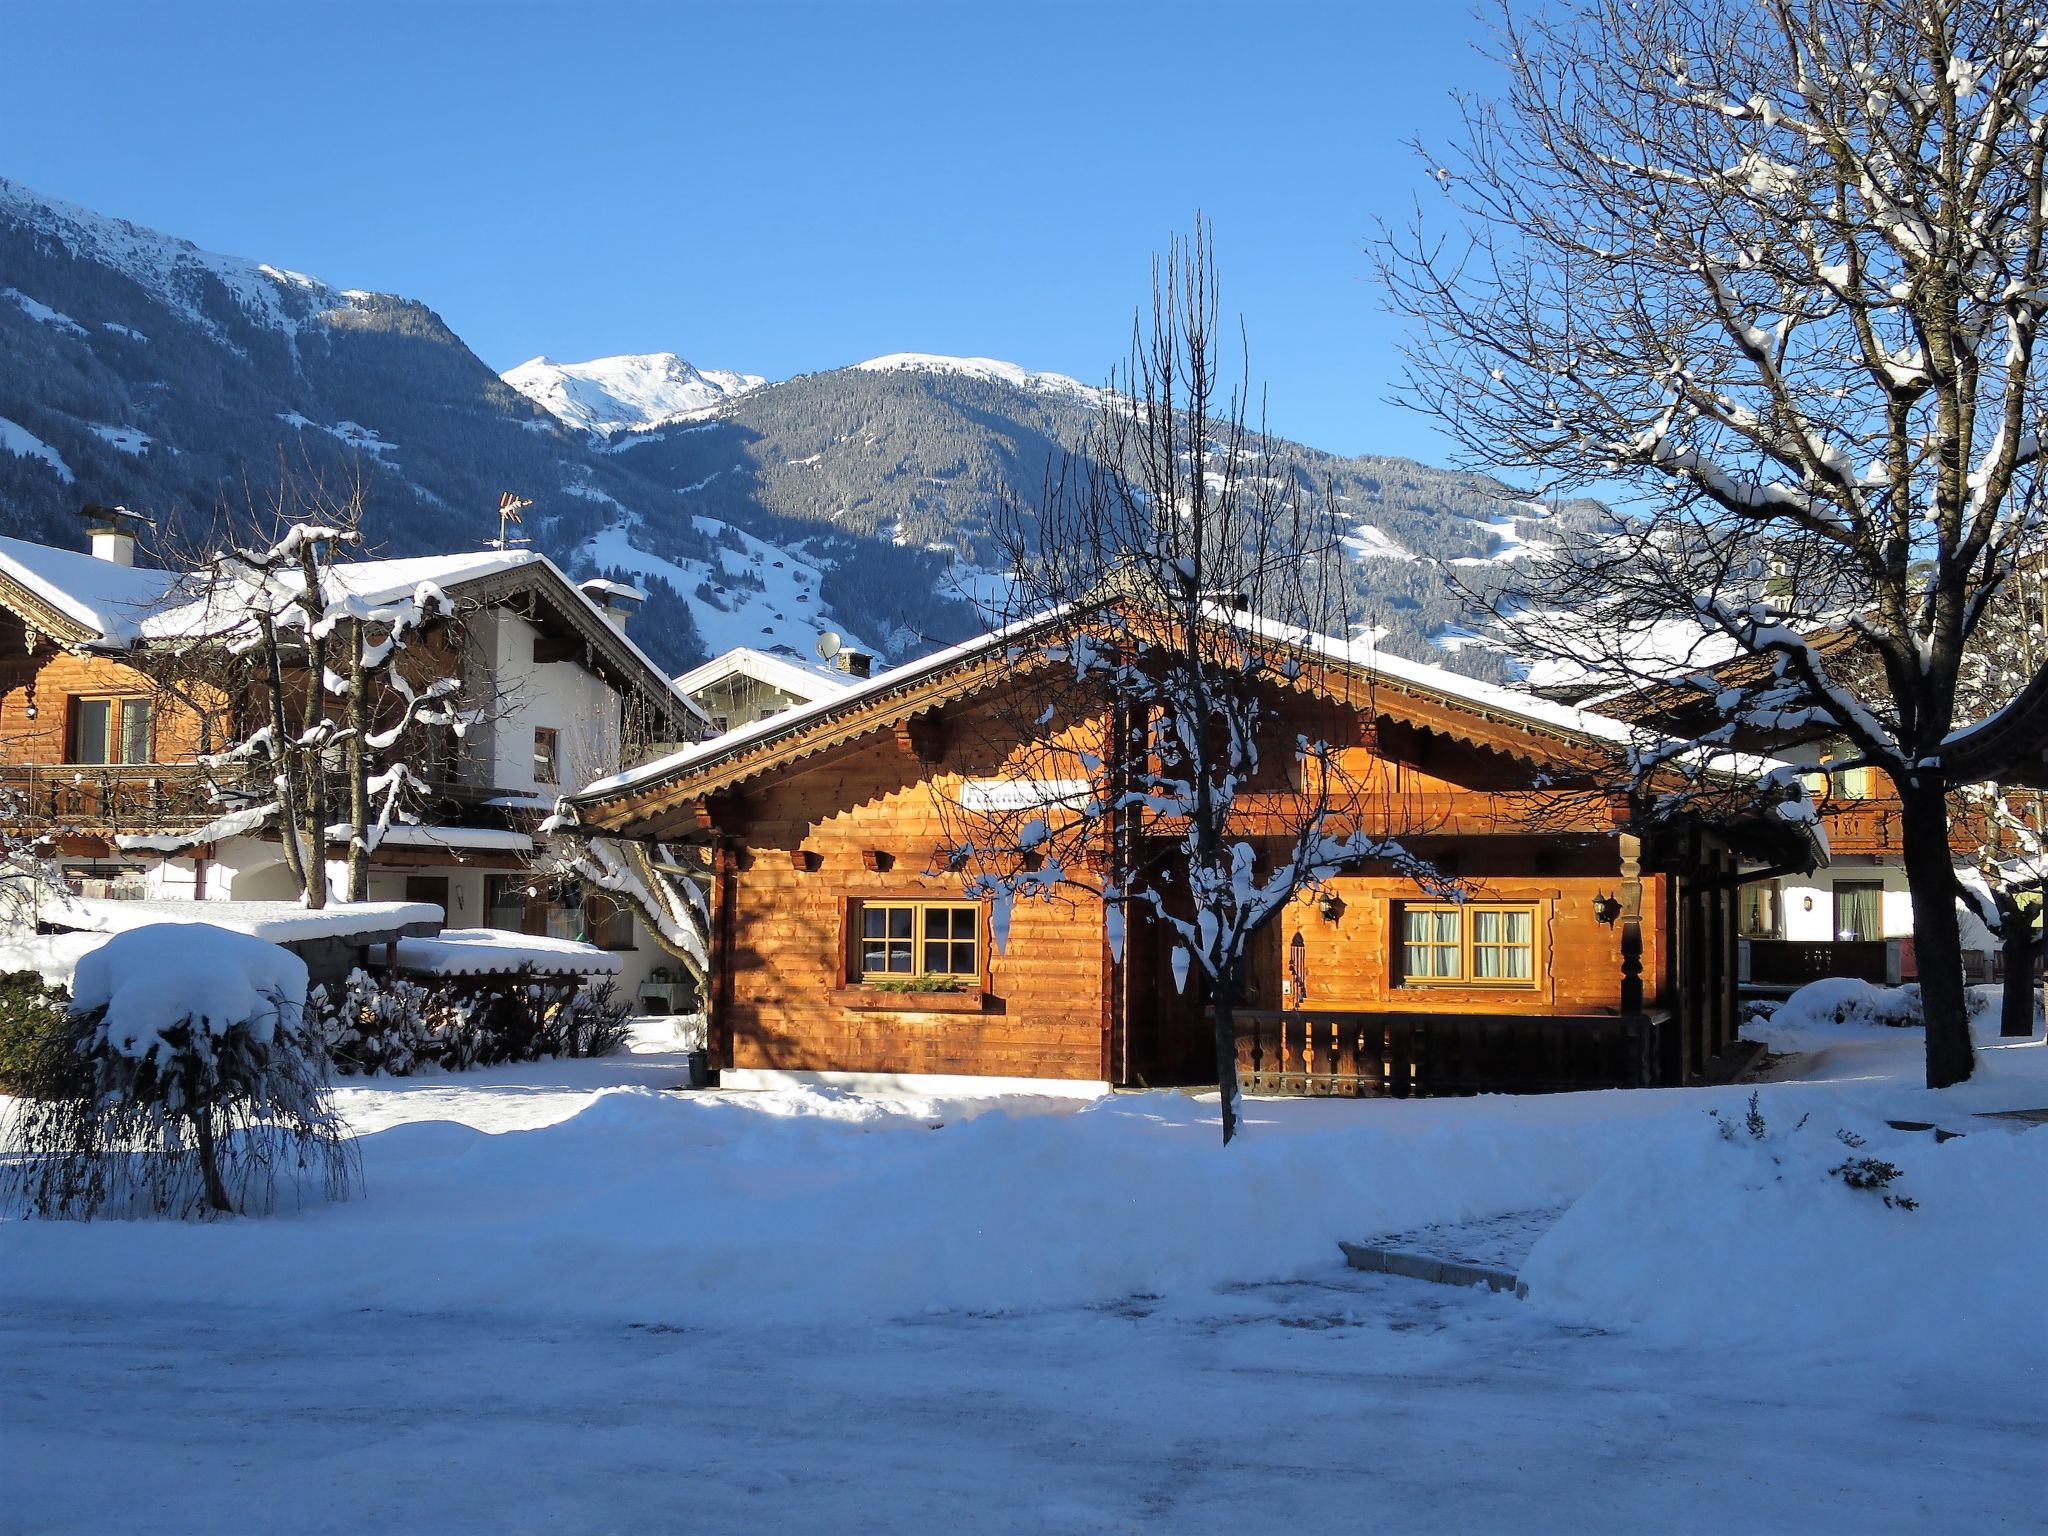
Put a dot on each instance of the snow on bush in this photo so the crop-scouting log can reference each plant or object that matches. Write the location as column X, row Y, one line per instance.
column 1839, row 1000
column 1836, row 1000
column 1818, row 1235
column 184, row 1084
column 200, row 982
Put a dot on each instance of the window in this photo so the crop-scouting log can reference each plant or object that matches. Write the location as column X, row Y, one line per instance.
column 1763, row 913
column 1859, row 911
column 545, row 762
column 607, row 921
column 110, row 730
column 1473, row 944
column 904, row 940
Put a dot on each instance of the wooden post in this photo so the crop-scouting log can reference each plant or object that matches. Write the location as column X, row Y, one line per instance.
column 1631, row 923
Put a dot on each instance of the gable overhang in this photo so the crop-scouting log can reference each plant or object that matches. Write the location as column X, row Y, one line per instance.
column 687, row 793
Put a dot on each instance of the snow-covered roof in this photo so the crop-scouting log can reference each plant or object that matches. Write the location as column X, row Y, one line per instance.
column 111, row 601
column 120, row 605
column 475, row 839
column 495, row 952
column 281, row 922
column 807, row 683
column 1362, row 656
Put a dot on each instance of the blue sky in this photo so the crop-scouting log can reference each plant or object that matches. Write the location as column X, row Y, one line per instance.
column 776, row 187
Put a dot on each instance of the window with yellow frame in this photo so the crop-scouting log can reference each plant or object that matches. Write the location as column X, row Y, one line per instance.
column 1467, row 944
column 916, row 940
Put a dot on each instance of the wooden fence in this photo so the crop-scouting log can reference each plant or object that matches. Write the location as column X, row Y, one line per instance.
column 1417, row 1055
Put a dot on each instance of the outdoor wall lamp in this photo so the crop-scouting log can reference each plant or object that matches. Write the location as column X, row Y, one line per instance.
column 1330, row 905
column 1807, row 904
column 1606, row 909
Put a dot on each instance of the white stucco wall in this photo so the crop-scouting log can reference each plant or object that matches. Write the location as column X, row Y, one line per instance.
column 581, row 709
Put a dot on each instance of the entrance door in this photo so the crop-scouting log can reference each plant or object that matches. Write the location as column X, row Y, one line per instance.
column 432, row 888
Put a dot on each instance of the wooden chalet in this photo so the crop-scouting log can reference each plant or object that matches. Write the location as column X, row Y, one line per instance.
column 1588, row 950
column 101, row 755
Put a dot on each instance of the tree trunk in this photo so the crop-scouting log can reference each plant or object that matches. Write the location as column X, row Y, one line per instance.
column 209, row 1161
column 1224, row 1011
column 1937, row 936
column 358, row 768
column 2016, row 941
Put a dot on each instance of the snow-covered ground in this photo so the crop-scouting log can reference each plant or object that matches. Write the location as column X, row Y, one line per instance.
column 576, row 1301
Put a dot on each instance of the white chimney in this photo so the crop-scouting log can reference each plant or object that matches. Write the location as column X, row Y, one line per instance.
column 112, row 531
column 614, row 599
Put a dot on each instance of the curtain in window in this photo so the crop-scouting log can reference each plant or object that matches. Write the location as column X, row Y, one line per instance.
column 135, row 730
column 1503, row 946
column 1429, row 943
column 1859, row 912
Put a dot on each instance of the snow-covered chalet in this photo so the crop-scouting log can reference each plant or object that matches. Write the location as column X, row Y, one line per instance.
column 99, row 753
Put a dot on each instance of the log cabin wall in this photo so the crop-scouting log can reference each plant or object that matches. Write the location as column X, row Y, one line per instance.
column 862, row 824
column 49, row 677
column 1349, row 960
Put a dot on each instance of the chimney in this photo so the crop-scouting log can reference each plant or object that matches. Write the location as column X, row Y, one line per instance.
column 614, row 599
column 112, row 531
column 855, row 663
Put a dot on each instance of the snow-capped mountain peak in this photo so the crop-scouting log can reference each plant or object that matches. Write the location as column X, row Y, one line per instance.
column 176, row 272
column 641, row 389
column 975, row 368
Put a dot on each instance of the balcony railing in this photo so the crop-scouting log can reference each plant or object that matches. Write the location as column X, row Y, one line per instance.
column 106, row 797
column 113, row 798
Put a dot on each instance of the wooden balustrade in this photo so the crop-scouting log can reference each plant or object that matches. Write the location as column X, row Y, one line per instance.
column 1416, row 1055
column 107, row 797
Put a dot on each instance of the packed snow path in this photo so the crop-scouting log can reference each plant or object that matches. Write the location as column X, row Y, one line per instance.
column 573, row 1302
column 1352, row 1402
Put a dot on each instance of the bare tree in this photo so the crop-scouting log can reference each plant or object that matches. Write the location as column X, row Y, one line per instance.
column 318, row 677
column 1169, row 600
column 1777, row 269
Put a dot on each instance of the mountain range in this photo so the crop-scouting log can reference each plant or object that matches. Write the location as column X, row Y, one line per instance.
column 136, row 368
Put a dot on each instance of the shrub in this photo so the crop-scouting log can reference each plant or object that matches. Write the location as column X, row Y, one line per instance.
column 183, row 1082
column 397, row 1025
column 31, row 1015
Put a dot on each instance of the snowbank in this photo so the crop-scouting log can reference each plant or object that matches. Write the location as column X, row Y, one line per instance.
column 151, row 979
column 1710, row 1238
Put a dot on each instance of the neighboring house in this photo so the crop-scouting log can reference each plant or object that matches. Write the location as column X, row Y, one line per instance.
column 1593, row 951
column 95, row 747
column 1854, row 918
column 745, row 685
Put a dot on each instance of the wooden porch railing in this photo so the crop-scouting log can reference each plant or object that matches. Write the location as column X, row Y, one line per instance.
column 1418, row 1055
column 1793, row 962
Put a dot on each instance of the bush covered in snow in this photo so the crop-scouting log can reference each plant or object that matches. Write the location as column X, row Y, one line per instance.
column 183, row 1083
column 396, row 1025
column 1839, row 1000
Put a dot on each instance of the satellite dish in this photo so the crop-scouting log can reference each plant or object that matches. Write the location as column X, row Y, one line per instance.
column 828, row 645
